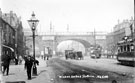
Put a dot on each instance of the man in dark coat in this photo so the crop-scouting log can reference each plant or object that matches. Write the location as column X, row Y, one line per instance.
column 5, row 63
column 28, row 66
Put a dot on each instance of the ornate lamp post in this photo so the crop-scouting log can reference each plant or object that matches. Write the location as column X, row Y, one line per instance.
column 33, row 24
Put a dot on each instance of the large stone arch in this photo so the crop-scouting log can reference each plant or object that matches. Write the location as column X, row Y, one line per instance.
column 85, row 43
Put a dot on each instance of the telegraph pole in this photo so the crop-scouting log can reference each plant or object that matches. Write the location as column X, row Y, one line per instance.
column 50, row 26
column 0, row 45
column 94, row 37
column 67, row 27
column 95, row 43
column 131, row 27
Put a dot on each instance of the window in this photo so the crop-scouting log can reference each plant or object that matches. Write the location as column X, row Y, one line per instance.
column 121, row 48
column 132, row 47
column 128, row 48
column 125, row 48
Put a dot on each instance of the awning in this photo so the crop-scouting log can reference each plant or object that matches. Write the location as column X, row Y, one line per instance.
column 8, row 47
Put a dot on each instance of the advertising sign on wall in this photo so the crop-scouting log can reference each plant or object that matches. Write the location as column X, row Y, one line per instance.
column 48, row 38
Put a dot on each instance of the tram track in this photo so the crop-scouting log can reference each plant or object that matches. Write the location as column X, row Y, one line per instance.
column 70, row 72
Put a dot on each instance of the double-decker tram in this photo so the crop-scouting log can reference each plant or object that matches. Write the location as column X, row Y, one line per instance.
column 126, row 51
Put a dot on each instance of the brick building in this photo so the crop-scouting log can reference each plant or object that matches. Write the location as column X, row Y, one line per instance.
column 7, row 33
column 14, row 22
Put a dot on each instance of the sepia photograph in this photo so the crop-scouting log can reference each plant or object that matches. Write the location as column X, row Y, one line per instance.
column 67, row 41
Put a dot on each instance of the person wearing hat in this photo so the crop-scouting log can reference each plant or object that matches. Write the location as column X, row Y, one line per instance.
column 6, row 62
column 28, row 66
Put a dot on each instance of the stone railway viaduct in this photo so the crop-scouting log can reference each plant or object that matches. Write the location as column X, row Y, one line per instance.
column 52, row 40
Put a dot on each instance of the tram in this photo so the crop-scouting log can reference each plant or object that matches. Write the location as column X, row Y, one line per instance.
column 95, row 52
column 71, row 54
column 126, row 51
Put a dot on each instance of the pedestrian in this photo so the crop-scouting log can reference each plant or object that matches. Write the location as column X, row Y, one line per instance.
column 20, row 60
column 16, row 61
column 36, row 62
column 25, row 57
column 28, row 66
column 5, row 63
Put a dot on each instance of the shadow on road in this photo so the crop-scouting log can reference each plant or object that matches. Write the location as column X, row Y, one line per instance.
column 129, row 65
column 41, row 72
column 16, row 82
column 33, row 77
column 11, row 74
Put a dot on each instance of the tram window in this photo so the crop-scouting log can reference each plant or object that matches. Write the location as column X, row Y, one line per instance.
column 128, row 48
column 125, row 48
column 121, row 47
column 132, row 48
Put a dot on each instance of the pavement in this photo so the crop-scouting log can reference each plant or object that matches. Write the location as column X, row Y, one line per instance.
column 17, row 74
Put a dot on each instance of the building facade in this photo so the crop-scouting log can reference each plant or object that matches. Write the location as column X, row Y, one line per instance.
column 8, row 38
column 119, row 31
column 110, row 43
column 12, row 29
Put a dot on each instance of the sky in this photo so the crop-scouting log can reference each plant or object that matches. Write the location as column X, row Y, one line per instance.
column 79, row 15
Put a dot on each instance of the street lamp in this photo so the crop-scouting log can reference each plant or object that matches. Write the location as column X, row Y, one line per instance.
column 33, row 24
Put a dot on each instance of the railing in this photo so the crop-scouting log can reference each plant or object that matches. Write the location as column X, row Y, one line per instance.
column 71, row 33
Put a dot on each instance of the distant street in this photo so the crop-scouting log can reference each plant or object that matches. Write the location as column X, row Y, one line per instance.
column 90, row 71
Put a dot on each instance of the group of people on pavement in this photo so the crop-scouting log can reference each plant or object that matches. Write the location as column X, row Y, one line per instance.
column 30, row 62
